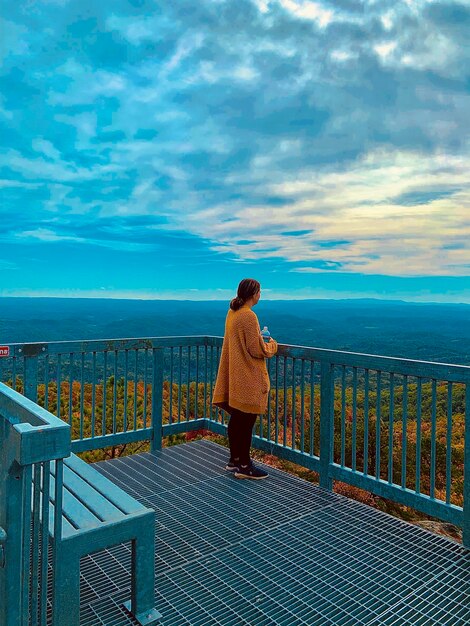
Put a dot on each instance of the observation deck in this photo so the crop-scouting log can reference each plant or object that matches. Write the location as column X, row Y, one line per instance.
column 277, row 551
column 284, row 551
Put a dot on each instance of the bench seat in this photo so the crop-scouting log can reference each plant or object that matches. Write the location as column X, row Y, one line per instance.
column 55, row 509
column 97, row 514
column 89, row 499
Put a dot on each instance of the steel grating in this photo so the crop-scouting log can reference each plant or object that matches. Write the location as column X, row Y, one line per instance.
column 276, row 552
column 450, row 593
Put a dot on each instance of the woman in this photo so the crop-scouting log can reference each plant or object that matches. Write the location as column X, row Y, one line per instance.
column 242, row 384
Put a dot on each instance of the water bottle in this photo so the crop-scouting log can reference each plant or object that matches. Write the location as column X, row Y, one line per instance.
column 266, row 334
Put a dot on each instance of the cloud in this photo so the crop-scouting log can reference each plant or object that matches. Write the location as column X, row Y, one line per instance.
column 333, row 136
column 135, row 31
column 45, row 234
column 404, row 215
column 307, row 10
column 46, row 148
column 14, row 38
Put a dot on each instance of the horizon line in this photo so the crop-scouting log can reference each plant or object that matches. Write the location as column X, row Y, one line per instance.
column 281, row 299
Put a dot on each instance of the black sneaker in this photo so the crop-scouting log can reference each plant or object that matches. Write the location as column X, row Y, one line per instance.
column 253, row 472
column 232, row 467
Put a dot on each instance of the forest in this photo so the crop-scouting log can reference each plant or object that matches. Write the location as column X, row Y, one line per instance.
column 415, row 441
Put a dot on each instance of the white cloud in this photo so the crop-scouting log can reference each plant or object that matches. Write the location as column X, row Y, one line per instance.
column 385, row 49
column 45, row 234
column 15, row 40
column 187, row 45
column 245, row 72
column 59, row 171
column 135, row 30
column 17, row 183
column 47, row 148
column 342, row 55
column 263, row 5
column 361, row 205
column 309, row 11
column 48, row 235
column 429, row 50
column 210, row 72
column 387, row 20
column 85, row 84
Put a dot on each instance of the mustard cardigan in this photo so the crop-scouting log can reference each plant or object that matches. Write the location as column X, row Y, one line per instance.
column 242, row 380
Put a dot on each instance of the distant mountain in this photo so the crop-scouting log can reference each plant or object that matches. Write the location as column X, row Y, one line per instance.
column 434, row 332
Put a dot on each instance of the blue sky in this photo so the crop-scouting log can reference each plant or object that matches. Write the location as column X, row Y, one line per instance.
column 170, row 149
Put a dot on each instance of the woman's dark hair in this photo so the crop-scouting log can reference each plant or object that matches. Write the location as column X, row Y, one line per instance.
column 246, row 289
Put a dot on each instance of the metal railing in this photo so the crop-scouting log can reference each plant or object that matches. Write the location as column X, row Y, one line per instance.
column 397, row 428
column 33, row 446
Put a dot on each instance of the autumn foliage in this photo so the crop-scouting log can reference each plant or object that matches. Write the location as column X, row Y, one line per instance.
column 419, row 445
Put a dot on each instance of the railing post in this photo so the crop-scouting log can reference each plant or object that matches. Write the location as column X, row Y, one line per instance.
column 15, row 505
column 31, row 377
column 466, row 473
column 326, row 423
column 157, row 399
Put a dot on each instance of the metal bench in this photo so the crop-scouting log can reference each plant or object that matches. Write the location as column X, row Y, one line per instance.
column 96, row 514
column 48, row 495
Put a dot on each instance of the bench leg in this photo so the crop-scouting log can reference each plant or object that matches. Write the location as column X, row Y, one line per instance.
column 142, row 603
column 66, row 591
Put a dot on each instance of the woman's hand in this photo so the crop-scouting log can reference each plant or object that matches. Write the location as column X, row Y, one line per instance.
column 268, row 340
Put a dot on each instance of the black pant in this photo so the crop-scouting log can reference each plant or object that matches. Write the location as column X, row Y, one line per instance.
column 240, row 428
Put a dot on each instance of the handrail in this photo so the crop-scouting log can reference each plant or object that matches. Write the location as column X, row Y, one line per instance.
column 37, row 435
column 99, row 345
column 427, row 369
column 31, row 440
column 432, row 369
column 319, row 415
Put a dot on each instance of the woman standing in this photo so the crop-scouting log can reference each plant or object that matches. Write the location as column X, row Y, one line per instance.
column 242, row 384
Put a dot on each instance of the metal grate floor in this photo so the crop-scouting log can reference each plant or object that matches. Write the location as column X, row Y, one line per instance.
column 276, row 552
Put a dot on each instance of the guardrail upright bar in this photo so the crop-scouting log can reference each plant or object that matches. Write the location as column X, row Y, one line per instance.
column 466, row 475
column 326, row 423
column 31, row 377
column 14, row 503
column 157, row 399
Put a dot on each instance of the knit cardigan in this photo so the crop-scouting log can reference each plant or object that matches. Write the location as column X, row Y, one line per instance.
column 242, row 380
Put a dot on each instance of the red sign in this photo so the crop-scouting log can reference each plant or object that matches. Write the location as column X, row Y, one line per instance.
column 4, row 350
